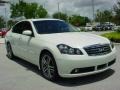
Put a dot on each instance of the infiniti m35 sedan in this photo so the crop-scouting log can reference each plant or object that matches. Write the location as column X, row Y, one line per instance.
column 58, row 49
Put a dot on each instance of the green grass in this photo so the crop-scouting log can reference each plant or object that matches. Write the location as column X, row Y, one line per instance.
column 113, row 36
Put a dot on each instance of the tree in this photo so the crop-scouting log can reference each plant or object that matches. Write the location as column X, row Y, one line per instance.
column 86, row 20
column 117, row 12
column 78, row 20
column 18, row 9
column 99, row 16
column 60, row 15
column 28, row 10
column 104, row 16
column 41, row 12
column 2, row 22
column 10, row 23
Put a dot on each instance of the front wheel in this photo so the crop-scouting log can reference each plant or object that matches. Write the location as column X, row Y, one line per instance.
column 48, row 66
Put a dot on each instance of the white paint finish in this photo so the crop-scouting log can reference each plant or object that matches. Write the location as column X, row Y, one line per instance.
column 29, row 48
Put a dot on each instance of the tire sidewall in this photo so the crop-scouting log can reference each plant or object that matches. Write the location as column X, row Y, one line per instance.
column 9, row 46
column 55, row 72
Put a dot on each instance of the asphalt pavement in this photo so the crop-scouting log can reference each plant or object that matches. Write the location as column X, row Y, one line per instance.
column 18, row 74
column 2, row 40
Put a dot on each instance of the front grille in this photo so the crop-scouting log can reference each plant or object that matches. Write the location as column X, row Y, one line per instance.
column 98, row 49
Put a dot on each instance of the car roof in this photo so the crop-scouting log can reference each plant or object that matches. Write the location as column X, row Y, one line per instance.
column 40, row 19
column 43, row 19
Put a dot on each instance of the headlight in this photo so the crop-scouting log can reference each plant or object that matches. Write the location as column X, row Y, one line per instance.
column 112, row 45
column 65, row 49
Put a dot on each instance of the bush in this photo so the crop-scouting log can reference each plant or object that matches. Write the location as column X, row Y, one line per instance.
column 113, row 36
column 82, row 29
column 118, row 30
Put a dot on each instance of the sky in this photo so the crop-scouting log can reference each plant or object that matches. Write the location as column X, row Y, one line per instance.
column 79, row 7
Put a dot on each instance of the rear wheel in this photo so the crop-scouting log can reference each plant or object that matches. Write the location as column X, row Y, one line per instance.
column 48, row 66
column 9, row 51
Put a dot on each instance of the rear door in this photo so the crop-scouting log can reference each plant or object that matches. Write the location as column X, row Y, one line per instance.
column 15, row 38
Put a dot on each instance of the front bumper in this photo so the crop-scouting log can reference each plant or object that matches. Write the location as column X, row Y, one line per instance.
column 66, row 64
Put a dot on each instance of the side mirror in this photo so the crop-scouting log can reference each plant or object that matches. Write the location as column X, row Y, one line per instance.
column 27, row 32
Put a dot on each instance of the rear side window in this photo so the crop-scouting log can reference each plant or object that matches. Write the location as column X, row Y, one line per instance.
column 17, row 28
column 20, row 27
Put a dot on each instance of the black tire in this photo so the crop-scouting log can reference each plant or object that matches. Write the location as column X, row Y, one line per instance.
column 48, row 66
column 9, row 51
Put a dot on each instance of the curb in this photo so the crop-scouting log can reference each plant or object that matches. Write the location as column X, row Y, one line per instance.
column 117, row 43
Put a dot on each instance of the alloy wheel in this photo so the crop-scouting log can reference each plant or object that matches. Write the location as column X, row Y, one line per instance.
column 48, row 67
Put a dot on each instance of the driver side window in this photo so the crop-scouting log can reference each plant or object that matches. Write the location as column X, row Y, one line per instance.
column 27, row 26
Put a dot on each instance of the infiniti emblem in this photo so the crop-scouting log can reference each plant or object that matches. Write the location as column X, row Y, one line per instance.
column 100, row 49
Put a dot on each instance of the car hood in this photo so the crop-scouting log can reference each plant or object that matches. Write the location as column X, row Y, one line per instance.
column 74, row 39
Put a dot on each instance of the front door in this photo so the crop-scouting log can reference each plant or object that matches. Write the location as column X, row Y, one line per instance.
column 27, row 44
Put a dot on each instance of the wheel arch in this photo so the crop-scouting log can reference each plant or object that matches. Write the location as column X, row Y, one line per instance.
column 56, row 74
column 44, row 51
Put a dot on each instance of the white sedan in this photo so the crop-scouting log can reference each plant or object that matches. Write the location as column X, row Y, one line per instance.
column 88, row 28
column 58, row 50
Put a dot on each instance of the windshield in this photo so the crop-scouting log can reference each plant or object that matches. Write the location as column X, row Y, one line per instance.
column 52, row 26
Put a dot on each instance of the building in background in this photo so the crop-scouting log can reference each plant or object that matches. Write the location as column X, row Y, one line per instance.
column 5, row 10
